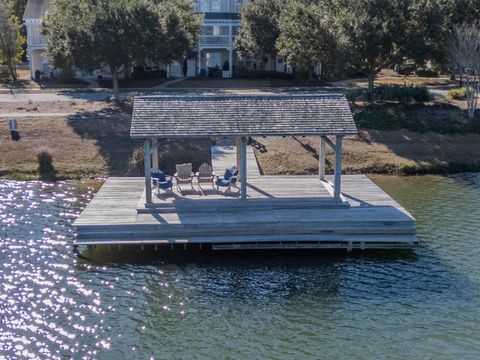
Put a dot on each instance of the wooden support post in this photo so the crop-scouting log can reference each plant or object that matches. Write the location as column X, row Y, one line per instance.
column 238, row 143
column 155, row 163
column 243, row 167
column 147, row 161
column 329, row 143
column 338, row 168
column 321, row 159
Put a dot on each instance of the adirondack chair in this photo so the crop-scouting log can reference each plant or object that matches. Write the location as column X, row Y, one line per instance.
column 205, row 175
column 228, row 180
column 184, row 175
column 161, row 180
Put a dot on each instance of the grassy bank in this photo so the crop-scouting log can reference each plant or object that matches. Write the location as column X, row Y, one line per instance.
column 374, row 151
column 89, row 144
column 394, row 139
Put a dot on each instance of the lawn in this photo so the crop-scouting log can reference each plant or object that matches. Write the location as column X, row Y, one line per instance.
column 89, row 144
column 373, row 151
column 434, row 137
column 394, row 138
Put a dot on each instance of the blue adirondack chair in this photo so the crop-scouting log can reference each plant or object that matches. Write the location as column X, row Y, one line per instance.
column 162, row 180
column 228, row 180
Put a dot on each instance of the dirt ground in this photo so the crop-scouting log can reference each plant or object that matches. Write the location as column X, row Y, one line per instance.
column 55, row 106
column 396, row 152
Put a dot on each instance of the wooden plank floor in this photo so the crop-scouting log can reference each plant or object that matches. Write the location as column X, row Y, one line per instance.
column 374, row 219
column 287, row 188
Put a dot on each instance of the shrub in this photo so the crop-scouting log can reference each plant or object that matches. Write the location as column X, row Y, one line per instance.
column 424, row 72
column 402, row 94
column 405, row 69
column 66, row 75
column 135, row 164
column 457, row 94
column 146, row 75
column 4, row 74
column 45, row 166
column 356, row 95
column 438, row 118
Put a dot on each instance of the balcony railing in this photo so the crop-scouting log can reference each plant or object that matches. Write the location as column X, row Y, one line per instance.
column 215, row 40
column 37, row 40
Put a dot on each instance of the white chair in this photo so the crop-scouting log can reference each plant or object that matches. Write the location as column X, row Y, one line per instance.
column 184, row 175
column 205, row 175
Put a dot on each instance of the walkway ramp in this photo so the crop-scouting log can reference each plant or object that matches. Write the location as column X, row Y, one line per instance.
column 225, row 156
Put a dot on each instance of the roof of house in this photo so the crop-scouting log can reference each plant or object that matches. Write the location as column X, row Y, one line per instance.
column 35, row 9
column 241, row 115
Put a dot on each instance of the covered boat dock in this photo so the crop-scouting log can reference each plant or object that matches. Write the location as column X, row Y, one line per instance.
column 267, row 212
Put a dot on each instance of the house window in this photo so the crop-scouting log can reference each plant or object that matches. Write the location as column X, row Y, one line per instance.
column 216, row 6
column 238, row 5
column 204, row 6
column 223, row 30
column 208, row 30
column 215, row 30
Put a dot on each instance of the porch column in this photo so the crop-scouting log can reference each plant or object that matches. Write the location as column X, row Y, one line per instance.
column 230, row 61
column 199, row 61
column 243, row 167
column 155, row 163
column 321, row 159
column 32, row 65
column 338, row 168
column 148, row 166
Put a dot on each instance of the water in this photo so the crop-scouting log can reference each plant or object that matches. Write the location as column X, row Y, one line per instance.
column 398, row 305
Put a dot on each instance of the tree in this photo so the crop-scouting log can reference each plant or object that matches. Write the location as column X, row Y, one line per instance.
column 259, row 30
column 11, row 39
column 463, row 50
column 367, row 31
column 429, row 23
column 99, row 34
column 19, row 7
column 305, row 35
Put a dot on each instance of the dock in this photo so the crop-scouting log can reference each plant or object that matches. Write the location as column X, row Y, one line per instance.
column 304, row 216
column 261, row 212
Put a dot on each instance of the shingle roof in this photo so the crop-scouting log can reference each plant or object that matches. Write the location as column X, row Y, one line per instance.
column 36, row 9
column 241, row 115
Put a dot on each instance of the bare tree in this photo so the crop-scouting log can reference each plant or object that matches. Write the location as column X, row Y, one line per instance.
column 463, row 50
column 11, row 39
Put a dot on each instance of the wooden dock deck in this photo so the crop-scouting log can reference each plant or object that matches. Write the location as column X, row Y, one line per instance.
column 281, row 212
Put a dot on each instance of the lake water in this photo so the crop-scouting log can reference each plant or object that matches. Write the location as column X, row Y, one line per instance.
column 294, row 305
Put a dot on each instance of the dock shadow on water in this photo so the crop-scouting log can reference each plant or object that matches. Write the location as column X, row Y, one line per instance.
column 180, row 255
column 209, row 304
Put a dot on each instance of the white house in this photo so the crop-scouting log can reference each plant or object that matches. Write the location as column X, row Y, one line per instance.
column 215, row 48
column 32, row 19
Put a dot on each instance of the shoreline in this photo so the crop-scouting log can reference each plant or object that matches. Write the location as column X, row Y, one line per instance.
column 93, row 140
column 362, row 156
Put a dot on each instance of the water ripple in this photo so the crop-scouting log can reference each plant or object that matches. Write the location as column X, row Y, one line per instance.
column 242, row 305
